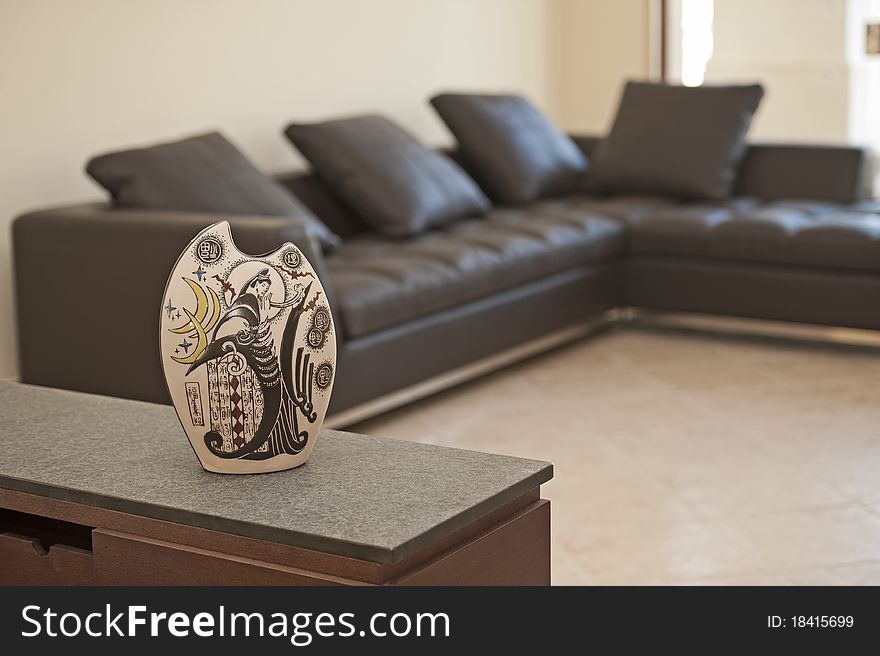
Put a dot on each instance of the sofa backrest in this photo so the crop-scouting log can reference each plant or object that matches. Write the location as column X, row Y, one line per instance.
column 835, row 174
column 316, row 195
column 773, row 171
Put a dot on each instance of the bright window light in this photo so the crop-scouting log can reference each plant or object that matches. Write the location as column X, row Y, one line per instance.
column 696, row 40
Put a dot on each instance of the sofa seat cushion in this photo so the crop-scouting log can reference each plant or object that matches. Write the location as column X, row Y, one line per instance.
column 382, row 282
column 796, row 233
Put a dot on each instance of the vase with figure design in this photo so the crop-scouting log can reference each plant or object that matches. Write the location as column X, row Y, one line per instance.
column 249, row 353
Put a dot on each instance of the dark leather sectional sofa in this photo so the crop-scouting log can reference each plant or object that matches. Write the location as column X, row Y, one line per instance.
column 798, row 241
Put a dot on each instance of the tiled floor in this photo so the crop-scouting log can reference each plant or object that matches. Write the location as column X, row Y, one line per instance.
column 686, row 458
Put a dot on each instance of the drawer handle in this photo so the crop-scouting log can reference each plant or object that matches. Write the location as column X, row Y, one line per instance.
column 36, row 543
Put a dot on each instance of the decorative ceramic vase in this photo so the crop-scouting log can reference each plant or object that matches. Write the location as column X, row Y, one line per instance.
column 249, row 353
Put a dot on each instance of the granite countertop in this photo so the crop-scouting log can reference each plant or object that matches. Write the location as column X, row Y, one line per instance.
column 360, row 496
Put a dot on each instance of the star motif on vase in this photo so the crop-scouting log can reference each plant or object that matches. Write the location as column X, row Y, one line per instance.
column 185, row 345
column 169, row 308
column 200, row 273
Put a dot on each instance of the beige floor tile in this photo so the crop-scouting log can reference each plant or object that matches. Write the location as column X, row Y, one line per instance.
column 609, row 498
column 710, row 374
column 624, row 554
column 855, row 473
column 565, row 569
column 858, row 390
column 748, row 580
column 867, row 573
column 821, row 447
column 809, row 364
column 683, row 458
column 873, row 508
column 644, row 346
column 736, row 487
column 812, row 538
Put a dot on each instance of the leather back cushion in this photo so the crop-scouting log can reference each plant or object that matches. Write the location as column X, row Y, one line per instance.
column 833, row 173
column 681, row 141
column 513, row 150
column 395, row 183
column 205, row 173
column 319, row 197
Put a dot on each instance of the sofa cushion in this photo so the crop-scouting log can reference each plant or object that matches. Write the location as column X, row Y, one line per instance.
column 205, row 173
column 682, row 141
column 627, row 208
column 799, row 233
column 381, row 282
column 510, row 147
column 390, row 179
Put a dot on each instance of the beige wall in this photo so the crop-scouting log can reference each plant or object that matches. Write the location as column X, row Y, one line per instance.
column 797, row 49
column 810, row 55
column 80, row 77
column 596, row 45
column 864, row 77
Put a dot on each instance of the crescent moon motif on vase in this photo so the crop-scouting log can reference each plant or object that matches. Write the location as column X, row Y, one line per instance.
column 195, row 325
column 201, row 308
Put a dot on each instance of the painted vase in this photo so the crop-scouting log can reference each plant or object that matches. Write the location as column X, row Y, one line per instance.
column 249, row 353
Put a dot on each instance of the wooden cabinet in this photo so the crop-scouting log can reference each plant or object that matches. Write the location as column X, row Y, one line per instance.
column 125, row 559
column 46, row 541
column 365, row 510
column 25, row 561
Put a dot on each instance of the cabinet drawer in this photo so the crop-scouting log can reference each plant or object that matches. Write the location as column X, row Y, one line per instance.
column 24, row 561
column 126, row 559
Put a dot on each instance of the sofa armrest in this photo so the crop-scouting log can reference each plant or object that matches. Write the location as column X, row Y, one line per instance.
column 89, row 283
column 832, row 173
